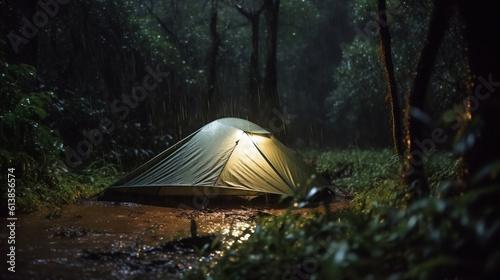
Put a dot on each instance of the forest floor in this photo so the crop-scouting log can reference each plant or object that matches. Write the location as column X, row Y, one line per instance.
column 101, row 240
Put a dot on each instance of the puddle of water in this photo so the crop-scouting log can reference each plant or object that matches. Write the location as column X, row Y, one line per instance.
column 106, row 240
column 58, row 248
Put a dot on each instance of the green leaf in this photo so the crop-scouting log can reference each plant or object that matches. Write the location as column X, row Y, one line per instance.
column 40, row 112
column 6, row 155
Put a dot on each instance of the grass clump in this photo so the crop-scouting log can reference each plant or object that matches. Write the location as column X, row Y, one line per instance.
column 356, row 169
column 373, row 177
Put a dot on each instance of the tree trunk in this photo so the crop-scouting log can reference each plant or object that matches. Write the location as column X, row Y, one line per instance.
column 392, row 93
column 270, row 79
column 253, row 73
column 415, row 112
column 481, row 136
column 212, row 61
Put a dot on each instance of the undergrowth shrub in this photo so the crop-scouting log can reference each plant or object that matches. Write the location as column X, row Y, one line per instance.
column 367, row 165
column 446, row 236
column 34, row 149
column 430, row 239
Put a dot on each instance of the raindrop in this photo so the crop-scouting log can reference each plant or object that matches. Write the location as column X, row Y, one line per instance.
column 412, row 222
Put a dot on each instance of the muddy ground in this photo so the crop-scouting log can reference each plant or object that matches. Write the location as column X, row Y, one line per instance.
column 103, row 240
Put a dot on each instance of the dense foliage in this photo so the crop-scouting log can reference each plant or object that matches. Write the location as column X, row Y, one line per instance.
column 358, row 104
column 34, row 149
column 92, row 54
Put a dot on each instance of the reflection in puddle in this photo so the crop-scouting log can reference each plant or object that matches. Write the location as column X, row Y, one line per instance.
column 242, row 230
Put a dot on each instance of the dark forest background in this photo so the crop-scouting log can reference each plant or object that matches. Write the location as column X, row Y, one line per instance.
column 90, row 58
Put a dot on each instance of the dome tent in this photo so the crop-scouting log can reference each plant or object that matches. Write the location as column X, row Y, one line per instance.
column 229, row 156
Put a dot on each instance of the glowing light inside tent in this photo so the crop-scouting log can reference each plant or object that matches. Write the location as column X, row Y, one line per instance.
column 257, row 139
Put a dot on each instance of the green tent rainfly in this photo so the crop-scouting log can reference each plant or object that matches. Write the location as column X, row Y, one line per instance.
column 229, row 156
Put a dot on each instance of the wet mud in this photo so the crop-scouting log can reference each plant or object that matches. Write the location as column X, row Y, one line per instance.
column 101, row 240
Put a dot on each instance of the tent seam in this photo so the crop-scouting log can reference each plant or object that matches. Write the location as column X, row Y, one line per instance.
column 228, row 157
column 270, row 164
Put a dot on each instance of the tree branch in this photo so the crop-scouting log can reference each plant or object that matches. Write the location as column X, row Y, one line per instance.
column 248, row 14
column 165, row 28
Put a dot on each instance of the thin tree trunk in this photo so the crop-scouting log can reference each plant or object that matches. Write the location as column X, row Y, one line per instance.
column 254, row 73
column 271, row 78
column 392, row 93
column 415, row 112
column 481, row 137
column 212, row 61
column 167, row 29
